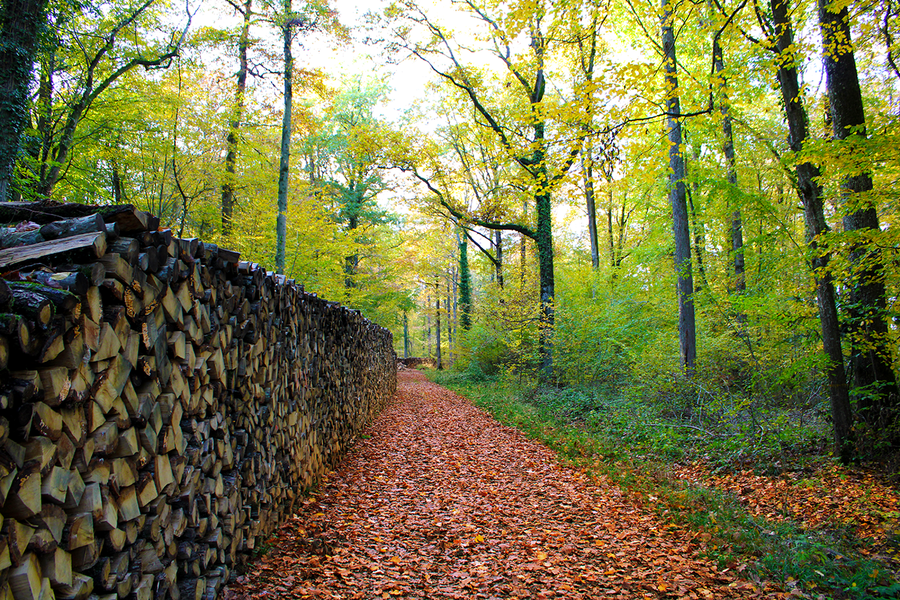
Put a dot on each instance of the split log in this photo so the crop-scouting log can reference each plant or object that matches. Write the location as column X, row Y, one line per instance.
column 25, row 579
column 57, row 567
column 81, row 588
column 93, row 244
column 53, row 519
column 18, row 537
column 23, row 500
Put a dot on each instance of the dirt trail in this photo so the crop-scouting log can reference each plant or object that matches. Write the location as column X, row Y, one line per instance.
column 441, row 501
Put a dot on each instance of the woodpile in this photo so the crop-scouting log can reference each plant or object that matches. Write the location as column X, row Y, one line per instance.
column 415, row 363
column 162, row 404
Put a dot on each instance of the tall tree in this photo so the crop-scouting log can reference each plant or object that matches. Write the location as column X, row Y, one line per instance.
column 237, row 115
column 687, row 335
column 587, row 60
column 600, row 153
column 874, row 382
column 486, row 182
column 314, row 15
column 737, row 234
column 781, row 39
column 358, row 145
column 540, row 134
column 587, row 170
column 288, row 20
column 109, row 46
column 20, row 23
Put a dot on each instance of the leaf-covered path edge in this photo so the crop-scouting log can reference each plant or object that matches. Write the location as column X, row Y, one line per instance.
column 439, row 500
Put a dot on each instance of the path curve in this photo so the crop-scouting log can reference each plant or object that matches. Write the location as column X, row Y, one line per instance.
column 441, row 501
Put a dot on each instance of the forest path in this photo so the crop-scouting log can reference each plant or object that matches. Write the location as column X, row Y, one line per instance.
column 441, row 501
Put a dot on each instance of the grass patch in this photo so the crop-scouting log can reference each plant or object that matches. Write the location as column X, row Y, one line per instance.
column 635, row 444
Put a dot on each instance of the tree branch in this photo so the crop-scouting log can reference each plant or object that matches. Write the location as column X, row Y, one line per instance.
column 464, row 217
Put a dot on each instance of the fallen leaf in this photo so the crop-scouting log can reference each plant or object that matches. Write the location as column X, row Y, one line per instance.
column 436, row 478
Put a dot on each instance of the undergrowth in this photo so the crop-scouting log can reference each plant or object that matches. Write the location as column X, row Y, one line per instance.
column 634, row 443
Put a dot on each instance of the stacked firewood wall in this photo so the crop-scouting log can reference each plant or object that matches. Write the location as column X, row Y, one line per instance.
column 163, row 405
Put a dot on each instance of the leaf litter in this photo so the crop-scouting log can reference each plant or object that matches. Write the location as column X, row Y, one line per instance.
column 439, row 500
column 832, row 497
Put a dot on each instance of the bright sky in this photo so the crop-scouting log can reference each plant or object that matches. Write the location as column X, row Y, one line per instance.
column 407, row 80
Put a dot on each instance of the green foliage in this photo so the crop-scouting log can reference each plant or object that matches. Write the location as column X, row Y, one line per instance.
column 599, row 333
column 484, row 351
column 631, row 442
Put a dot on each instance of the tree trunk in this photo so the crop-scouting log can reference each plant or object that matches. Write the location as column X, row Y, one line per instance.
column 437, row 324
column 498, row 245
column 609, row 232
column 234, row 129
column 678, row 199
column 811, row 196
column 21, row 22
column 737, row 235
column 455, row 298
column 45, row 111
column 587, row 167
column 116, row 184
column 699, row 238
column 620, row 239
column 405, row 335
column 351, row 263
column 428, row 325
column 588, row 57
column 874, row 383
column 544, row 241
column 451, row 322
column 285, row 163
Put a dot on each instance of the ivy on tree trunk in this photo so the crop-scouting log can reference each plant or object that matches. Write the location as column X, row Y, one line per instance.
column 21, row 23
column 285, row 161
column 874, row 383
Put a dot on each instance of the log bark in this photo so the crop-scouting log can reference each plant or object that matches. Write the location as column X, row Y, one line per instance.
column 89, row 244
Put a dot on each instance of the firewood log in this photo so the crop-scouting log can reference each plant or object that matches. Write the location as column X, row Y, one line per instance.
column 67, row 228
column 53, row 519
column 25, row 579
column 57, row 567
column 81, row 588
column 23, row 500
column 89, row 244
